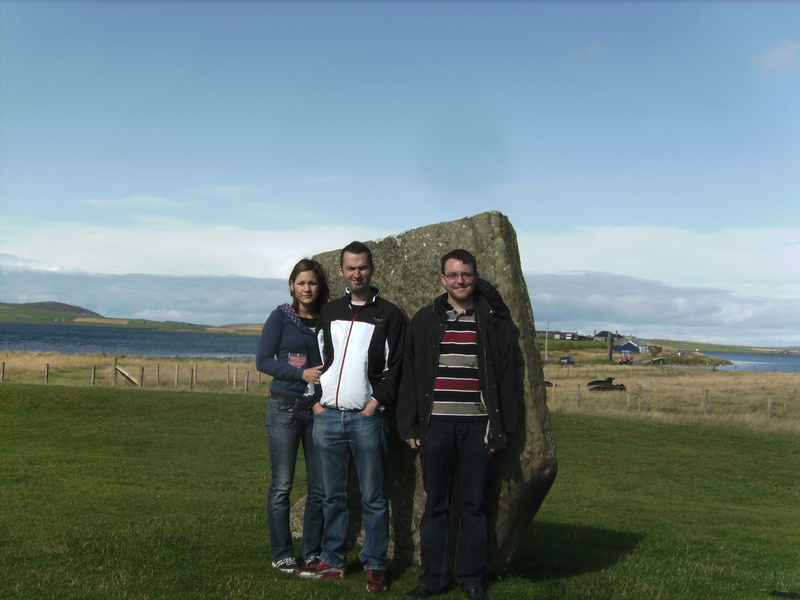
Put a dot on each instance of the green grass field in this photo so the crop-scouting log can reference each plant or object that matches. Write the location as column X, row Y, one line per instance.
column 123, row 493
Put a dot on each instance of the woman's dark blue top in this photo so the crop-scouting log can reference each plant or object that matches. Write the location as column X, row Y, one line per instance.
column 283, row 332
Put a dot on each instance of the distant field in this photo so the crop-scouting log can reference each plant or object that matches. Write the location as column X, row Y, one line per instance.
column 175, row 374
column 111, row 494
column 755, row 401
column 749, row 400
column 600, row 348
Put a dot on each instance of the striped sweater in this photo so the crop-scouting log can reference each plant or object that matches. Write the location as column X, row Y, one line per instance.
column 457, row 391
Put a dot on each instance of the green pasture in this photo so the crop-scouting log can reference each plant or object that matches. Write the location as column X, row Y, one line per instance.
column 113, row 493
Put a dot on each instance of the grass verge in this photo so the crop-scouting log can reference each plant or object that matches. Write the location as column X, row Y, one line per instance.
column 113, row 493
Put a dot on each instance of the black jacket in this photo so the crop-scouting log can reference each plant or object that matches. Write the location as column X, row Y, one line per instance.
column 498, row 365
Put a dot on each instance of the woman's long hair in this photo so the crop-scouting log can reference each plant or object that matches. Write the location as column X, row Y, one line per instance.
column 308, row 264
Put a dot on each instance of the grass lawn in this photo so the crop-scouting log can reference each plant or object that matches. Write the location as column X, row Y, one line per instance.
column 123, row 493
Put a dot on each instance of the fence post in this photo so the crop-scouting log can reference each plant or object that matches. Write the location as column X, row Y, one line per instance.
column 114, row 378
column 235, row 376
column 227, row 375
column 191, row 379
column 94, row 374
column 47, row 373
column 158, row 374
column 246, row 381
column 177, row 370
column 141, row 377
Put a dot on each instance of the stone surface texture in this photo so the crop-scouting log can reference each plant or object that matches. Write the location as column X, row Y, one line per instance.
column 407, row 273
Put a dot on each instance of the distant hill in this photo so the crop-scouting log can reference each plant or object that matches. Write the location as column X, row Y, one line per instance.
column 61, row 313
column 53, row 306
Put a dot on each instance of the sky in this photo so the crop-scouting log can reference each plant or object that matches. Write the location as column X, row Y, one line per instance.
column 174, row 159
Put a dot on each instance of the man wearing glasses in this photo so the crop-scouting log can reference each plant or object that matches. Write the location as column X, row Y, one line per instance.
column 460, row 394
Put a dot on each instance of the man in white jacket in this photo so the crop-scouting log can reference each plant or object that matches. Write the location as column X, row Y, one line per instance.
column 361, row 340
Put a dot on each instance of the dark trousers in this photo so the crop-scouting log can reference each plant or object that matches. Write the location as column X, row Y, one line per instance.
column 451, row 446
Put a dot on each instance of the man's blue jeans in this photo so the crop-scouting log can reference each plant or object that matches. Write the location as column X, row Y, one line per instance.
column 288, row 426
column 454, row 446
column 339, row 435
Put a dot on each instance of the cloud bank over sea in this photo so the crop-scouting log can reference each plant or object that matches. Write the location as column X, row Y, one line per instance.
column 583, row 301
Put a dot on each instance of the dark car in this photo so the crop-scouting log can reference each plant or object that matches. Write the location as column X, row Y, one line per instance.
column 566, row 360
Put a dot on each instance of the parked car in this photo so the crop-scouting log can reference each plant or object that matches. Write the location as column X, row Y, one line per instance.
column 566, row 360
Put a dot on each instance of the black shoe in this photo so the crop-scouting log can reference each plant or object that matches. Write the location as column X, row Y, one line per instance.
column 476, row 593
column 418, row 593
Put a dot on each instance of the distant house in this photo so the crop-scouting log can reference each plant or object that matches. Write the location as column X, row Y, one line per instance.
column 637, row 346
column 604, row 335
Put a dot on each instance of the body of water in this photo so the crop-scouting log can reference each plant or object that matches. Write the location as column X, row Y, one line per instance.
column 750, row 361
column 87, row 339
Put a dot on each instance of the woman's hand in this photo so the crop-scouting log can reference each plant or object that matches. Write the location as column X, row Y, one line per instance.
column 317, row 408
column 312, row 375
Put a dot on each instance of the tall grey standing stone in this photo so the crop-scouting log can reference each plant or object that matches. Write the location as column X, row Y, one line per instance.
column 407, row 273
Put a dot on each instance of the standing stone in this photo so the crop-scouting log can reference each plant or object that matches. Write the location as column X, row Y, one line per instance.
column 407, row 273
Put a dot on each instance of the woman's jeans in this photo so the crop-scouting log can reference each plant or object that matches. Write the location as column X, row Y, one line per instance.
column 340, row 435
column 290, row 422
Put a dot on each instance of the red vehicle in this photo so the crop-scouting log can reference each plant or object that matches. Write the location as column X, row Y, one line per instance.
column 626, row 358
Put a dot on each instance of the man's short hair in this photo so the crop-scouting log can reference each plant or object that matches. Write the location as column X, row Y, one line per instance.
column 355, row 248
column 464, row 256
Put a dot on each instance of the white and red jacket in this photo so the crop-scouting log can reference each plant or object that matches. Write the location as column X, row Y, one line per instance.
column 362, row 352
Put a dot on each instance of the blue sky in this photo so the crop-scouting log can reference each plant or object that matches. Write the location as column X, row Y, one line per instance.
column 653, row 144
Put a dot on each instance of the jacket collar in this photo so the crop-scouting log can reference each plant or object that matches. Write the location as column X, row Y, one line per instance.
column 374, row 293
column 488, row 301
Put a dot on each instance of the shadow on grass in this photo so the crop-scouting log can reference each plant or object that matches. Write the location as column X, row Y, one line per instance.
column 555, row 551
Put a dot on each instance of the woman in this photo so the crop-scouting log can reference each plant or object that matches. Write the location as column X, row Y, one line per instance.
column 288, row 352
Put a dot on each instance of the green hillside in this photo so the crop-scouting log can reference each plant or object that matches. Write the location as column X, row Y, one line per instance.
column 56, row 312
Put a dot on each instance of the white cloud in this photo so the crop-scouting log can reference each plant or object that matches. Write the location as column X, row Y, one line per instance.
column 174, row 247
column 762, row 262
column 755, row 262
column 780, row 60
column 735, row 285
column 16, row 263
column 584, row 302
column 320, row 180
column 137, row 201
column 228, row 191
column 589, row 302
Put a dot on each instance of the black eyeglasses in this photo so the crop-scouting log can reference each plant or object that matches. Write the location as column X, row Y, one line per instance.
column 455, row 276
